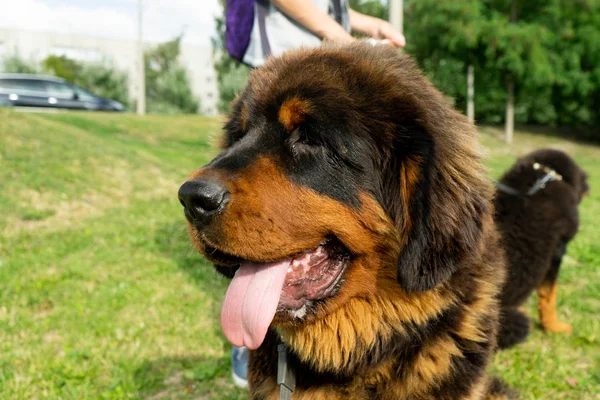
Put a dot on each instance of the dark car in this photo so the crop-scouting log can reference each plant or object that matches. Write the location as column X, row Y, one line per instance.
column 25, row 90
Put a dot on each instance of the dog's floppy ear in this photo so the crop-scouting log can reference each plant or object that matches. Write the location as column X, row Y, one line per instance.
column 435, row 188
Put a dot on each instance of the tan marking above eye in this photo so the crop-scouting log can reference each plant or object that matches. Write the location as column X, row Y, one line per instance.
column 293, row 112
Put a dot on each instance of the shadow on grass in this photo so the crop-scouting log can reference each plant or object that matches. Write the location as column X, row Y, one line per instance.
column 186, row 377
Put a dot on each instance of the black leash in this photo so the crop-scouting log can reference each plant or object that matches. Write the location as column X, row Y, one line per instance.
column 286, row 379
column 506, row 189
column 550, row 176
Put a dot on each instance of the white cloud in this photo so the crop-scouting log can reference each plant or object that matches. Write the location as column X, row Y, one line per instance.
column 163, row 19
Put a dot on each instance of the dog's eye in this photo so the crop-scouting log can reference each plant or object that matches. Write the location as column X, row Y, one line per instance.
column 300, row 135
column 301, row 143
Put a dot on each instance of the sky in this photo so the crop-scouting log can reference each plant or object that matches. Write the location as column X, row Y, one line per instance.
column 163, row 19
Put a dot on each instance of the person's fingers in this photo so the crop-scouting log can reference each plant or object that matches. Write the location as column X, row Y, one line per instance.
column 387, row 31
column 397, row 39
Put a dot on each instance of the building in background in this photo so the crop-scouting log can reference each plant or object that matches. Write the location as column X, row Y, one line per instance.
column 36, row 46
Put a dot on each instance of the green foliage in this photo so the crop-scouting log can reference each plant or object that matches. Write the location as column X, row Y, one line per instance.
column 168, row 88
column 100, row 79
column 17, row 65
column 63, row 67
column 374, row 8
column 105, row 81
column 551, row 50
column 232, row 79
column 442, row 29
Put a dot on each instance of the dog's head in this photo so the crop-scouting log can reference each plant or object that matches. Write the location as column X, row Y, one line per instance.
column 343, row 168
column 563, row 164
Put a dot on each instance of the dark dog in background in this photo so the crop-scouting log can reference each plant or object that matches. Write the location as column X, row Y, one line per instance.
column 351, row 209
column 536, row 228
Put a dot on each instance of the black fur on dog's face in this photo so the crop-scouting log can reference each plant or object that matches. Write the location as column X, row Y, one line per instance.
column 352, row 152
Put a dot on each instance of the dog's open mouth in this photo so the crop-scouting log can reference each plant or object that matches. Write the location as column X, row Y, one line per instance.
column 259, row 290
column 313, row 275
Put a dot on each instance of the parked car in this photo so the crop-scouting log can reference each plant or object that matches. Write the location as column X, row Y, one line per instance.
column 27, row 90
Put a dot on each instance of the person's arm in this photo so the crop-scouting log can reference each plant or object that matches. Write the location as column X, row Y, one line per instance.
column 308, row 15
column 376, row 28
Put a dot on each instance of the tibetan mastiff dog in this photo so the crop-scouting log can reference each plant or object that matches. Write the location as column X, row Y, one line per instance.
column 537, row 214
column 351, row 211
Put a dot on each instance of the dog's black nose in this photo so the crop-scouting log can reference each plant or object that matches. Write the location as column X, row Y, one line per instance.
column 202, row 198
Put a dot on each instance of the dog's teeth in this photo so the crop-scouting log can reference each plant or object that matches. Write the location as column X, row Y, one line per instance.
column 299, row 313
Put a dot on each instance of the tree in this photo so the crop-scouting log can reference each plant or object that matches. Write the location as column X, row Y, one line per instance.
column 519, row 46
column 62, row 67
column 102, row 79
column 539, row 54
column 106, row 81
column 510, row 88
column 168, row 88
column 442, row 36
column 16, row 65
column 574, row 97
column 374, row 8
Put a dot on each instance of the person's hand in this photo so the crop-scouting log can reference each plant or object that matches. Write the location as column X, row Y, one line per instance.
column 385, row 30
column 376, row 28
column 337, row 34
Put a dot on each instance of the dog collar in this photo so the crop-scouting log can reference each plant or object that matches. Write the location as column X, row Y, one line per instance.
column 551, row 175
column 286, row 379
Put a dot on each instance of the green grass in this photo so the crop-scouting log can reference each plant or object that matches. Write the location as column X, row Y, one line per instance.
column 101, row 295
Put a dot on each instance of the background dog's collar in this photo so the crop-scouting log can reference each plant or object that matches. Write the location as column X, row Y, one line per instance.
column 285, row 374
column 551, row 175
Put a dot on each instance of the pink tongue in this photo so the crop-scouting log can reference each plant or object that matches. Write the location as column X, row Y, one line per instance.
column 251, row 302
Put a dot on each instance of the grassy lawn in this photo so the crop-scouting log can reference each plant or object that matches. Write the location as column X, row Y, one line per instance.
column 101, row 295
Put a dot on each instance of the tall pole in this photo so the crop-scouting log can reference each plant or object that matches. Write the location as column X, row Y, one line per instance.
column 509, row 126
column 471, row 93
column 397, row 14
column 141, row 95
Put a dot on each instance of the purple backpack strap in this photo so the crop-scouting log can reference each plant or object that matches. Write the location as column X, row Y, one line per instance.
column 239, row 18
column 262, row 7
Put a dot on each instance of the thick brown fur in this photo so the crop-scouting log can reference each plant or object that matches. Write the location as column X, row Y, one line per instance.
column 354, row 143
column 536, row 231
